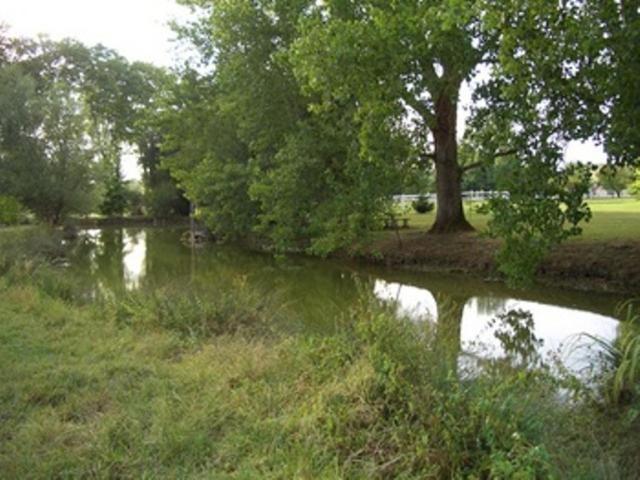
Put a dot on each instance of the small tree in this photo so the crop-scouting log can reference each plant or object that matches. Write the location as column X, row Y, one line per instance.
column 11, row 211
column 615, row 179
column 115, row 197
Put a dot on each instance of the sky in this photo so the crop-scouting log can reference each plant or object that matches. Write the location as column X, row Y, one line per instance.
column 139, row 30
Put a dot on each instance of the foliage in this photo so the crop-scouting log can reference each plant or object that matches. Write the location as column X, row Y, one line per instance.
column 295, row 177
column 558, row 58
column 65, row 180
column 134, row 197
column 68, row 110
column 418, row 178
column 399, row 61
column 543, row 208
column 44, row 157
column 423, row 205
column 634, row 188
column 551, row 83
column 323, row 110
column 11, row 211
column 162, row 198
column 208, row 160
column 21, row 116
column 114, row 201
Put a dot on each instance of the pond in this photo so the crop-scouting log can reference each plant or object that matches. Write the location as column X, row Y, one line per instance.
column 315, row 291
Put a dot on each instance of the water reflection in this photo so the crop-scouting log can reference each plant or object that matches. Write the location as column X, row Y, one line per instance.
column 134, row 253
column 316, row 292
column 412, row 302
column 561, row 330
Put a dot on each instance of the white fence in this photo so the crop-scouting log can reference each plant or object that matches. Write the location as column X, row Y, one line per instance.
column 481, row 195
column 472, row 195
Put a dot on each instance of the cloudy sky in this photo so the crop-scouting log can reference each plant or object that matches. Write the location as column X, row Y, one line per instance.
column 137, row 29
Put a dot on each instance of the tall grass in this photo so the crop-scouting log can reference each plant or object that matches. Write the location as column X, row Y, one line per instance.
column 175, row 383
column 621, row 377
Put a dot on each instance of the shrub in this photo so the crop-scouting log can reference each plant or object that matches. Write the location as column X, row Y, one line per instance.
column 423, row 205
column 11, row 211
column 193, row 313
column 29, row 247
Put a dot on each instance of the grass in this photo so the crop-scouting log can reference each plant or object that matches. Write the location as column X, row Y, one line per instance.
column 613, row 219
column 173, row 383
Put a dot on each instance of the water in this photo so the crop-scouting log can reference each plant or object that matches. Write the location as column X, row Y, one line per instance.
column 315, row 291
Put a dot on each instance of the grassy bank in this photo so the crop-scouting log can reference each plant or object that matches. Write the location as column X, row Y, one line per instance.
column 606, row 257
column 178, row 383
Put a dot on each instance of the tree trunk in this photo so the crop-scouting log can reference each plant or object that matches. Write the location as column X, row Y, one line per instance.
column 450, row 214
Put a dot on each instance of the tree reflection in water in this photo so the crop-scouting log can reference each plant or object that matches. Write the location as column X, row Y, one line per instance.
column 490, row 327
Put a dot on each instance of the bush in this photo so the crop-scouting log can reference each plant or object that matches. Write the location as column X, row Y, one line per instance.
column 423, row 205
column 29, row 247
column 11, row 211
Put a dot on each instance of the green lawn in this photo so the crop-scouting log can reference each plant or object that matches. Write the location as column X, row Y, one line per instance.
column 612, row 219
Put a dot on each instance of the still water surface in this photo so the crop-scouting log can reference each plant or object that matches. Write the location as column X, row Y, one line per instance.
column 315, row 291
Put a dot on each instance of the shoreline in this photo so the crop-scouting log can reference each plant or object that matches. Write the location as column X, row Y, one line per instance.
column 597, row 266
column 611, row 266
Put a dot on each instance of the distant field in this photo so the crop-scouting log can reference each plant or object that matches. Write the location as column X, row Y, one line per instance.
column 612, row 219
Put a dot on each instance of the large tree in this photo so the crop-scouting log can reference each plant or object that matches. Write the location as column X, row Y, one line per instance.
column 408, row 59
column 551, row 72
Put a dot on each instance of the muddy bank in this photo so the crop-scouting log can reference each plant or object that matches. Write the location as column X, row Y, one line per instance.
column 599, row 266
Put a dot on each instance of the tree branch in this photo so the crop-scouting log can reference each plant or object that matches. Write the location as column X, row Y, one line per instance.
column 427, row 156
column 471, row 166
column 419, row 107
column 504, row 153
column 498, row 154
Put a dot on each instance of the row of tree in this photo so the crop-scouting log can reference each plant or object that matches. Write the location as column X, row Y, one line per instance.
column 68, row 112
column 302, row 118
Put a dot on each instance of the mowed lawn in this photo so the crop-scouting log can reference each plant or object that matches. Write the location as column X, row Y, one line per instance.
column 613, row 219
